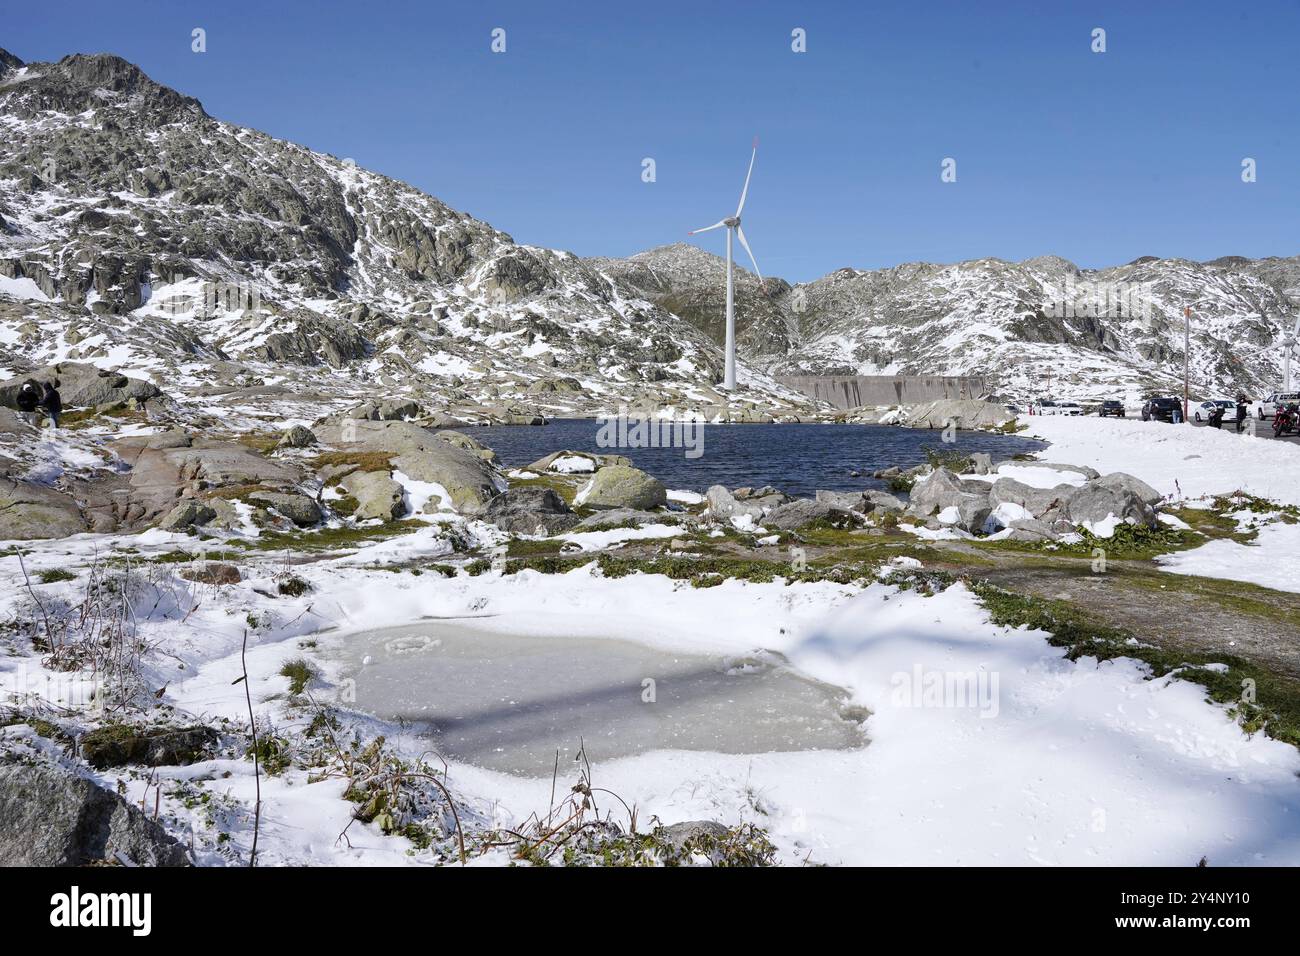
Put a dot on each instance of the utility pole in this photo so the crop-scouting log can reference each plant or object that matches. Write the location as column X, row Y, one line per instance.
column 1187, row 358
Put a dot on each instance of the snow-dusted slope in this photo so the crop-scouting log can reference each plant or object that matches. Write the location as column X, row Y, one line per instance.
column 1035, row 328
column 136, row 230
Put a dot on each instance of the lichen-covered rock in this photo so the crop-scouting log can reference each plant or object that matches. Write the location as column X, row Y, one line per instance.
column 1095, row 502
column 621, row 486
column 530, row 510
column 29, row 511
column 376, row 493
column 82, row 385
column 939, row 490
column 1119, row 481
column 188, row 514
column 804, row 511
column 298, row 436
column 300, row 509
column 419, row 453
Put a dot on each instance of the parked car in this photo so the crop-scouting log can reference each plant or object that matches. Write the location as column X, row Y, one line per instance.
column 1266, row 407
column 1048, row 407
column 1162, row 408
column 1112, row 408
column 1201, row 411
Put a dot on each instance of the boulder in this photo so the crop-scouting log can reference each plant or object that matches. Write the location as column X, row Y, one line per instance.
column 882, row 501
column 981, row 463
column 392, row 410
column 29, row 511
column 188, row 514
column 530, row 510
column 804, row 511
column 1119, row 481
column 298, row 508
column 172, row 438
column 848, row 500
column 723, row 506
column 939, row 490
column 1025, row 529
column 972, row 512
column 82, row 385
column 571, row 462
column 50, row 817
column 1038, row 501
column 421, row 454
column 1096, row 502
column 622, row 486
column 377, row 495
column 620, row 517
column 299, row 436
column 1030, row 530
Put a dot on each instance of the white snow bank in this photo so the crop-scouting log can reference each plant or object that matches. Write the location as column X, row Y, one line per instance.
column 1199, row 461
column 1269, row 560
column 597, row 540
column 573, row 465
column 1031, row 475
column 22, row 289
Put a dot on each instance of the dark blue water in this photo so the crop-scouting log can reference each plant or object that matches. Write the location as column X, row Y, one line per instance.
column 798, row 459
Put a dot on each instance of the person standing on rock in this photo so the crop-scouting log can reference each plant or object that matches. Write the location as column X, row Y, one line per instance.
column 28, row 400
column 52, row 404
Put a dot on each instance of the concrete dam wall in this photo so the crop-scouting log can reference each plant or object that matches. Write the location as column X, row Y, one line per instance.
column 852, row 391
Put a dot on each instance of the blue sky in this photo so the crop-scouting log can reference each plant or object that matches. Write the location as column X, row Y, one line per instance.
column 1096, row 157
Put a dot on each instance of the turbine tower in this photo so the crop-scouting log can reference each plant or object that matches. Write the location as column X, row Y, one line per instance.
column 733, row 226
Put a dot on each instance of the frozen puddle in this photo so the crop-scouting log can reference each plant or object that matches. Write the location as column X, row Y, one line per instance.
column 508, row 702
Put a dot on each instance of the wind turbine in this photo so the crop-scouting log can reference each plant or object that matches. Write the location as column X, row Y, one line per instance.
column 733, row 226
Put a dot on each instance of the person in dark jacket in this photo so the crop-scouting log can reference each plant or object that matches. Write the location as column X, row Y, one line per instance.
column 1241, row 413
column 28, row 400
column 52, row 403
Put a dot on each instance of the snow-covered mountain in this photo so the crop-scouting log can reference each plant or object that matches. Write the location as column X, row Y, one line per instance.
column 1038, row 327
column 138, row 231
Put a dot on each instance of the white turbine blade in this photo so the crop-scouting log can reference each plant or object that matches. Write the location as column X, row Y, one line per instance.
column 745, row 191
column 696, row 232
column 740, row 234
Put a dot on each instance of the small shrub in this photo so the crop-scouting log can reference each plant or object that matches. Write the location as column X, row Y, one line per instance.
column 300, row 674
column 900, row 483
column 293, row 586
column 54, row 575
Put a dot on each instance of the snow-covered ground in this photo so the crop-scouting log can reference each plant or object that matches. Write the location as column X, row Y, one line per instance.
column 1181, row 461
column 1269, row 560
column 987, row 746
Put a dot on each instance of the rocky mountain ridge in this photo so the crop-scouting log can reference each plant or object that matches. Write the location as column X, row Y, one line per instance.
column 1035, row 328
column 140, row 233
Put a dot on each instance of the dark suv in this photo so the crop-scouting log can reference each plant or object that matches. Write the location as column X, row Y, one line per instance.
column 1162, row 409
column 1112, row 408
